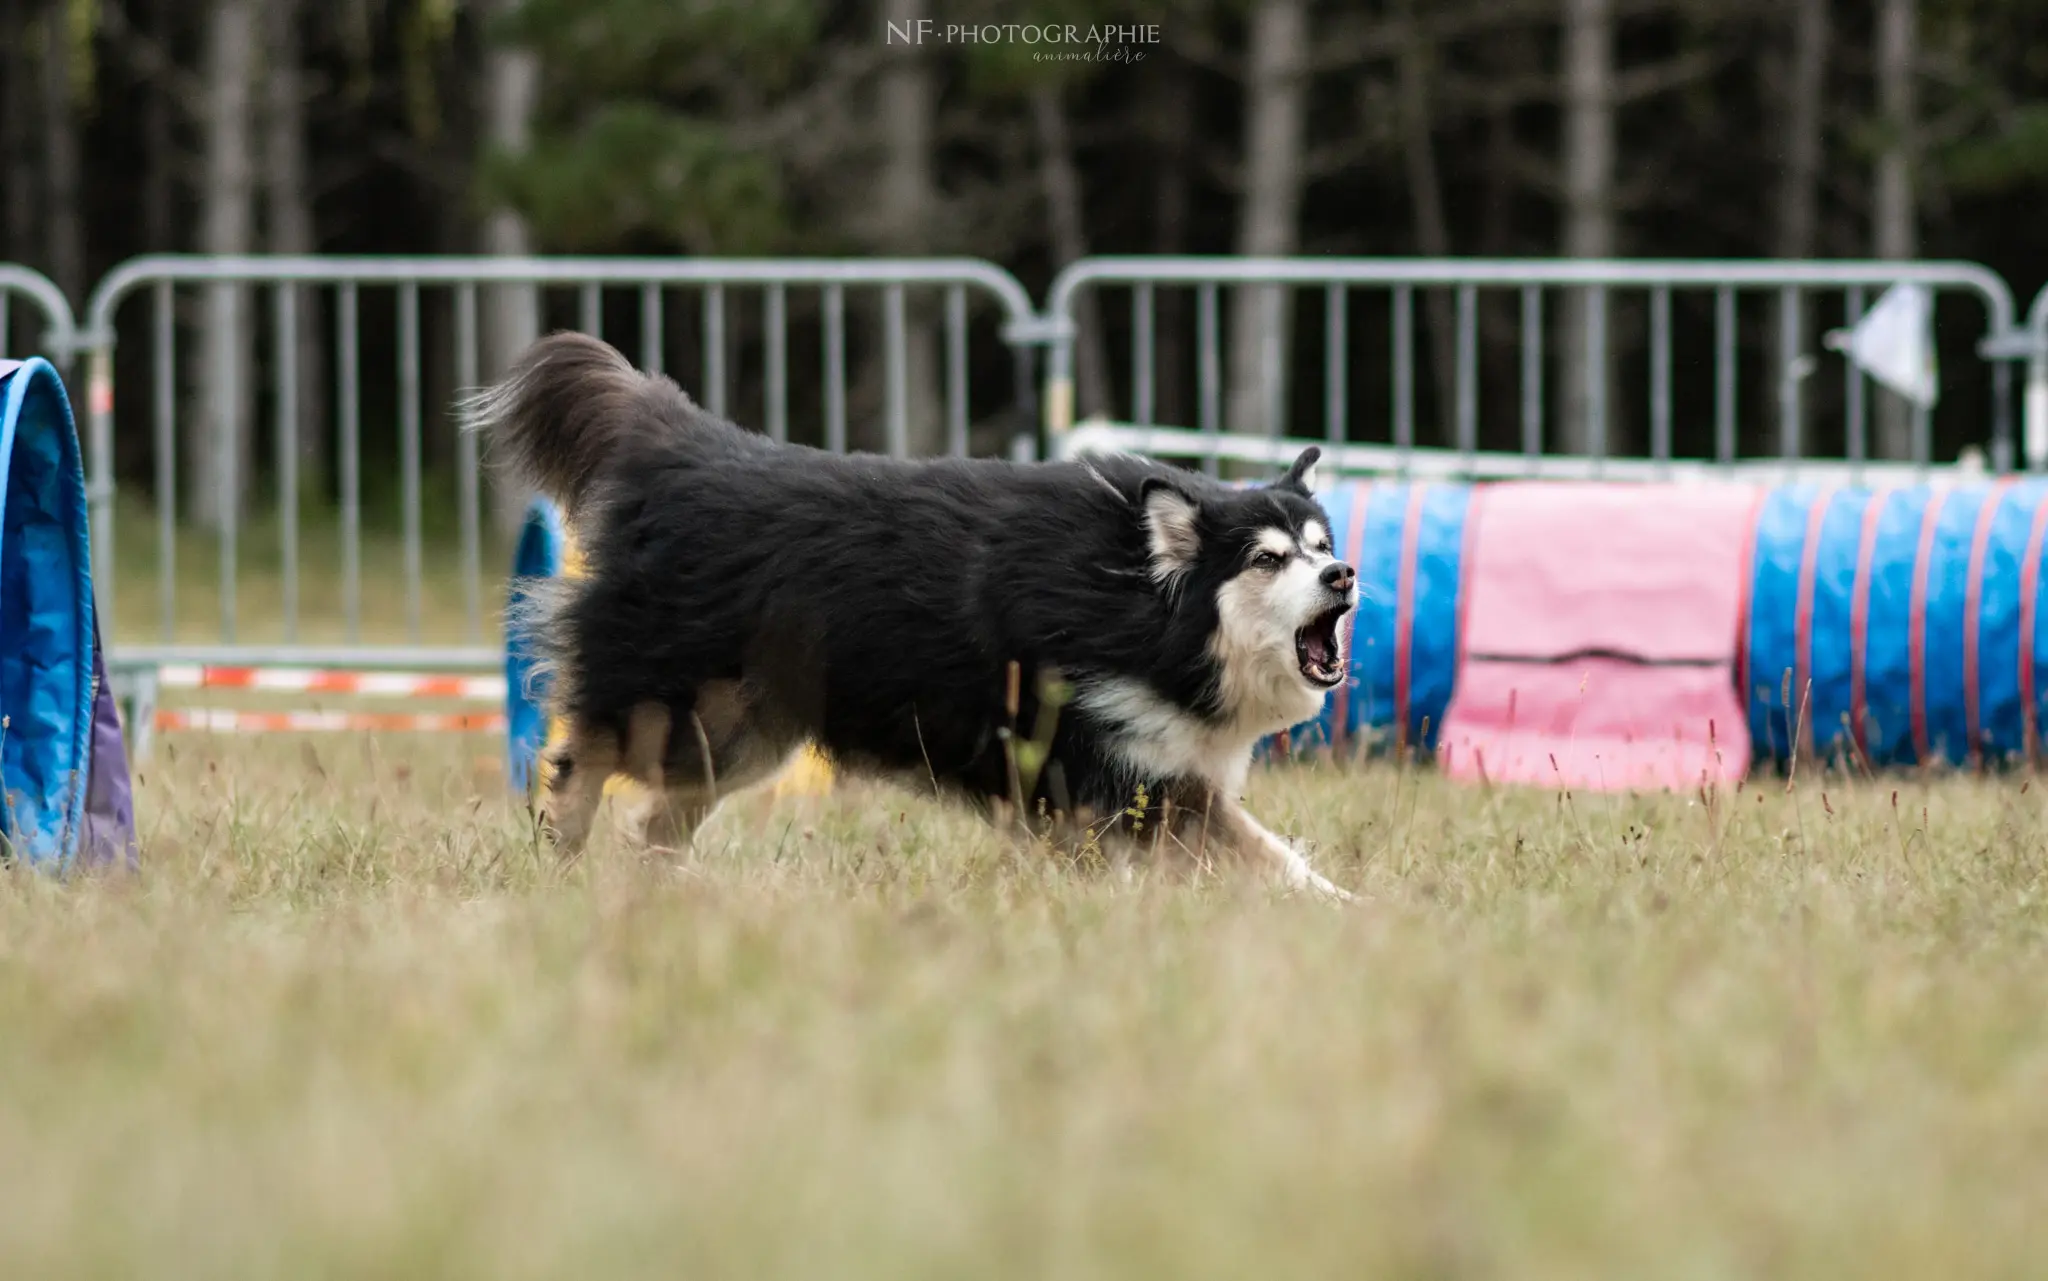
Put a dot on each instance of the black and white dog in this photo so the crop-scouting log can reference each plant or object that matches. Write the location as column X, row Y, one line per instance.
column 1099, row 642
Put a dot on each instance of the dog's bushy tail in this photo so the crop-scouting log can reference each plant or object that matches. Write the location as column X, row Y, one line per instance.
column 563, row 411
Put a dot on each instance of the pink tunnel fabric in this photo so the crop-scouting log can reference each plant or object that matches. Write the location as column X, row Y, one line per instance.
column 1602, row 629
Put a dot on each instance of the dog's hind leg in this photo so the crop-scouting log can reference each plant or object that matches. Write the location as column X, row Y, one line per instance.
column 719, row 747
column 673, row 817
column 575, row 788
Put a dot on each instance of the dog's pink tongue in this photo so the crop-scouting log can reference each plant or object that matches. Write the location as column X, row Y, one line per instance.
column 1317, row 648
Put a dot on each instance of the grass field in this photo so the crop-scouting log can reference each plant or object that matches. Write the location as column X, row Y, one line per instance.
column 348, row 1021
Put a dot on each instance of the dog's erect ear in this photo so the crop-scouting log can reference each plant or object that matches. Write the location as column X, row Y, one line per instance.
column 1172, row 528
column 1302, row 475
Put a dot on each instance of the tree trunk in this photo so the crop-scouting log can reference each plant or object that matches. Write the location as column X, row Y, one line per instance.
column 907, row 214
column 17, row 152
column 1426, row 199
column 1799, row 180
column 1175, row 107
column 511, row 313
column 62, row 218
column 290, row 207
column 216, row 452
column 1065, row 220
column 1497, row 227
column 159, row 144
column 1893, row 218
column 1589, row 203
column 1268, row 220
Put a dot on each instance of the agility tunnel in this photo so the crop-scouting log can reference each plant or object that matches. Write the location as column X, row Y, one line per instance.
column 1876, row 628
column 63, row 766
column 543, row 551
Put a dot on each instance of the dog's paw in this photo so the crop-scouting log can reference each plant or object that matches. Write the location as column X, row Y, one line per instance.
column 1301, row 878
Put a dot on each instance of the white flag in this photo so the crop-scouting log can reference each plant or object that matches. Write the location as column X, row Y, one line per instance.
column 1894, row 343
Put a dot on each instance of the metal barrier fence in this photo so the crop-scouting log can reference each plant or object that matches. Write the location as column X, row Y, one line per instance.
column 960, row 288
column 1587, row 283
column 52, row 313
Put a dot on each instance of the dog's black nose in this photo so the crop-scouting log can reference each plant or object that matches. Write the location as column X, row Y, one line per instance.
column 1338, row 576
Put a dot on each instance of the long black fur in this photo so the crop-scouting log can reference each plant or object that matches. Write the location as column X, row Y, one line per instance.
column 870, row 604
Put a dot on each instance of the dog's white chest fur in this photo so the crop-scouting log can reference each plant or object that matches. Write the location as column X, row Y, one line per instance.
column 1153, row 738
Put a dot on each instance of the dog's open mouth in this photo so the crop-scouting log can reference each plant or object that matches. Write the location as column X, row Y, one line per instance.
column 1315, row 648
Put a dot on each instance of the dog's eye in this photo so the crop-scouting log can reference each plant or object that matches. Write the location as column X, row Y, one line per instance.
column 1266, row 560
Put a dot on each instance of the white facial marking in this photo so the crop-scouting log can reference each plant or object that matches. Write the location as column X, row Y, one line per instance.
column 1259, row 613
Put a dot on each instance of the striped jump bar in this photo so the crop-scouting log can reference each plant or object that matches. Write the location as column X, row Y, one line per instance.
column 309, row 680
column 222, row 720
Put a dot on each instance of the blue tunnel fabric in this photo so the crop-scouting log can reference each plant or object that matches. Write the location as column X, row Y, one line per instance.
column 1773, row 607
column 543, row 541
column 1918, row 604
column 1887, row 645
column 47, row 651
column 1433, row 633
column 1370, row 523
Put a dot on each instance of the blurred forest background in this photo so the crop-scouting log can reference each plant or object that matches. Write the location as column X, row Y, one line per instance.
column 1741, row 128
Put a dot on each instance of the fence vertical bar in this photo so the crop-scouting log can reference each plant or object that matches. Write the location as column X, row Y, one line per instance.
column 349, row 386
column 835, row 368
column 1857, row 434
column 1211, row 367
column 1596, row 369
column 1532, row 370
column 227, row 443
column 1468, row 371
column 1336, row 365
column 1404, row 371
column 285, row 299
column 1660, row 374
column 714, row 349
column 651, row 337
column 777, row 321
column 1724, row 374
column 2001, row 417
column 166, row 353
column 1272, row 386
column 896, row 381
column 1923, row 437
column 409, row 447
column 956, row 371
column 1789, row 341
column 1141, row 354
column 468, row 495
column 590, row 310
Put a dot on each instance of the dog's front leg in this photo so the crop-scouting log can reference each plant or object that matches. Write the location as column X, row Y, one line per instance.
column 1230, row 825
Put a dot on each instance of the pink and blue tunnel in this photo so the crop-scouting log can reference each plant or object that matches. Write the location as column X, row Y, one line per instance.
column 1882, row 628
